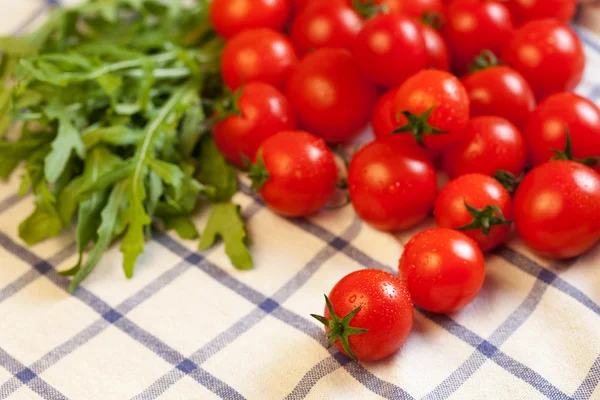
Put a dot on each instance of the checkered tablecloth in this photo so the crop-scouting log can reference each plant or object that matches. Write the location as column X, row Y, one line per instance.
column 190, row 326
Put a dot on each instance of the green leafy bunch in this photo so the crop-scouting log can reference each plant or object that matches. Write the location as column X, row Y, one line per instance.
column 110, row 100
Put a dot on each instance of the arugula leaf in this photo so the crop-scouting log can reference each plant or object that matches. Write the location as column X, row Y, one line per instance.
column 225, row 221
column 118, row 135
column 16, row 46
column 113, row 97
column 214, row 170
column 170, row 173
column 109, row 217
column 183, row 225
column 67, row 141
column 44, row 222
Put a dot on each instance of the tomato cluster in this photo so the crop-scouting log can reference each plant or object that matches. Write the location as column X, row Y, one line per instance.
column 482, row 86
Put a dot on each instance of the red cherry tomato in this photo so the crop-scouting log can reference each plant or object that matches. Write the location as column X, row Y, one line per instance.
column 229, row 17
column 437, row 50
column 386, row 312
column 439, row 93
column 384, row 45
column 443, row 270
column 264, row 112
column 300, row 173
column 548, row 54
column 500, row 91
column 331, row 96
column 490, row 144
column 383, row 124
column 329, row 23
column 547, row 126
column 410, row 8
column 299, row 5
column 481, row 192
column 528, row 10
column 557, row 209
column 392, row 185
column 261, row 55
column 473, row 26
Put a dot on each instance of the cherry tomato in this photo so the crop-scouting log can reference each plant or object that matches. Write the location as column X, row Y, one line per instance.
column 264, row 111
column 437, row 105
column 229, row 17
column 437, row 50
column 547, row 126
column 473, row 26
column 548, row 54
column 392, row 185
column 331, row 96
column 470, row 201
column 383, row 124
column 528, row 10
column 500, row 91
column 557, row 209
column 410, row 8
column 384, row 45
column 295, row 173
column 261, row 55
column 383, row 308
column 490, row 144
column 330, row 23
column 443, row 270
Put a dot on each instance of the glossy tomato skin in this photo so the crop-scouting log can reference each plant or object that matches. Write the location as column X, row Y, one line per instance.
column 436, row 47
column 320, row 24
column 490, row 144
column 548, row 54
column 392, row 184
column 473, row 26
column 478, row 191
column 331, row 97
column 500, row 91
column 264, row 112
column 410, row 8
column 302, row 173
column 261, row 55
column 546, row 127
column 529, row 10
column 443, row 270
column 448, row 97
column 230, row 17
column 386, row 310
column 557, row 209
column 384, row 45
column 382, row 122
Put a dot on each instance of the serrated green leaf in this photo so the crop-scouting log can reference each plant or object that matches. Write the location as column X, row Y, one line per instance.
column 226, row 222
column 214, row 170
column 109, row 216
column 16, row 46
column 170, row 173
column 118, row 135
column 183, row 225
column 100, row 162
column 67, row 141
column 44, row 222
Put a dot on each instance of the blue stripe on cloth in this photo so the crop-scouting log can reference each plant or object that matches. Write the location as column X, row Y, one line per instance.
column 320, row 370
column 109, row 315
column 532, row 268
column 489, row 348
column 589, row 384
column 26, row 376
column 258, row 314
